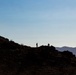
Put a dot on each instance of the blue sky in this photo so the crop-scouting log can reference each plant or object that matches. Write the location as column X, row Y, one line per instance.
column 43, row 21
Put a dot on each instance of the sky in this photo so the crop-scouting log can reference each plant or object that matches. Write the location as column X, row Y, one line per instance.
column 39, row 21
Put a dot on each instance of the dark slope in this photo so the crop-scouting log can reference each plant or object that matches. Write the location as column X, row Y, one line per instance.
column 16, row 59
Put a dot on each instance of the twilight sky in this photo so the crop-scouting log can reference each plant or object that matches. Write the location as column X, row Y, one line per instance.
column 39, row 21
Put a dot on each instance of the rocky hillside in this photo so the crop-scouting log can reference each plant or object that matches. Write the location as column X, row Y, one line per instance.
column 16, row 59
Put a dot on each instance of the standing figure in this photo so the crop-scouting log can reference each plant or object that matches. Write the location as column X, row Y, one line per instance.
column 36, row 44
column 48, row 44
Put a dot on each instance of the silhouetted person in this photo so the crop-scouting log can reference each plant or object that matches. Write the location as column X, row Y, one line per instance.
column 36, row 44
column 48, row 44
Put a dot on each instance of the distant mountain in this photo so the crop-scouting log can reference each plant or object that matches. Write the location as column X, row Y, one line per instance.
column 65, row 48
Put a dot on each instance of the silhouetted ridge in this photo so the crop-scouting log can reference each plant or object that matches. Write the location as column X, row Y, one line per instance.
column 2, row 39
column 16, row 59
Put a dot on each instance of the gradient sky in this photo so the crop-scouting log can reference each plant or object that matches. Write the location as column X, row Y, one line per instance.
column 39, row 21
